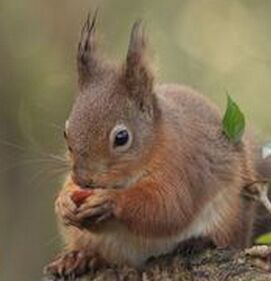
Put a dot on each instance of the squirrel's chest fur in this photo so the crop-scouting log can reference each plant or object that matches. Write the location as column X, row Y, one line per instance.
column 118, row 245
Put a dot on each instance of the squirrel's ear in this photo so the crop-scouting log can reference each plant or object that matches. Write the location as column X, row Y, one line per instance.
column 87, row 61
column 138, row 77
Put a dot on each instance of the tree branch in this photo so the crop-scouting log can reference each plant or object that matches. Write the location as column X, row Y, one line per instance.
column 201, row 262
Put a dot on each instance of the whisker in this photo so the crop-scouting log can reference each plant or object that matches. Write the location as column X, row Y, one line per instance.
column 57, row 157
column 13, row 145
column 39, row 173
column 27, row 150
column 54, row 159
column 29, row 162
column 57, row 173
column 48, row 177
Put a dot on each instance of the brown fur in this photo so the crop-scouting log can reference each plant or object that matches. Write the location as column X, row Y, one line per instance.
column 181, row 177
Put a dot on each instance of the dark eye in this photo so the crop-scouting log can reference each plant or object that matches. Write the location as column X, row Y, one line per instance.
column 120, row 138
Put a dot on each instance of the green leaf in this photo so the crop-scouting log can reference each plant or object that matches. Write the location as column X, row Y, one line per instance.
column 264, row 239
column 233, row 122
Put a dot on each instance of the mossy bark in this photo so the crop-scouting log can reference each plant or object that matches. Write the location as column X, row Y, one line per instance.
column 191, row 265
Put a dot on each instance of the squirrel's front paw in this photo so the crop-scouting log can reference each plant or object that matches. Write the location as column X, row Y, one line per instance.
column 66, row 209
column 97, row 208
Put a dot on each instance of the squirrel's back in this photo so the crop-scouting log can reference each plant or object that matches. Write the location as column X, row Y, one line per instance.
column 185, row 102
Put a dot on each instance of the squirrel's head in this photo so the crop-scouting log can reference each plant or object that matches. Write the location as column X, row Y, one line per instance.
column 111, row 128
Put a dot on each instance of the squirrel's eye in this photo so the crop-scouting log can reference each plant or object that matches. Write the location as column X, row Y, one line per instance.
column 120, row 138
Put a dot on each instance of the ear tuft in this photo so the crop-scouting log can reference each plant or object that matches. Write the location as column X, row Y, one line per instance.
column 138, row 77
column 137, row 42
column 87, row 62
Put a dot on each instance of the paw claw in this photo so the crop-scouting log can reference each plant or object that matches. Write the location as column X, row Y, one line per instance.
column 72, row 264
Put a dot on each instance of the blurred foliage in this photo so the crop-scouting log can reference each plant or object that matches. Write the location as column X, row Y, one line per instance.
column 266, row 150
column 214, row 46
column 264, row 239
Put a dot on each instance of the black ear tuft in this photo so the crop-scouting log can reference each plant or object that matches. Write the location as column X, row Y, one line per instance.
column 87, row 62
column 138, row 77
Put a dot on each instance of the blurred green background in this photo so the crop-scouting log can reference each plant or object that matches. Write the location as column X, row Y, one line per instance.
column 214, row 46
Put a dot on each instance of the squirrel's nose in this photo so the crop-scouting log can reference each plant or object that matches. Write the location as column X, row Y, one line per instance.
column 81, row 178
column 82, row 183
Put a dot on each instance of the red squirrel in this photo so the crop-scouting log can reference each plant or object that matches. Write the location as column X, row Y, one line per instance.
column 156, row 159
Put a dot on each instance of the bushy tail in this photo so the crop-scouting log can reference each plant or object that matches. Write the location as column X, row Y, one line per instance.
column 262, row 222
